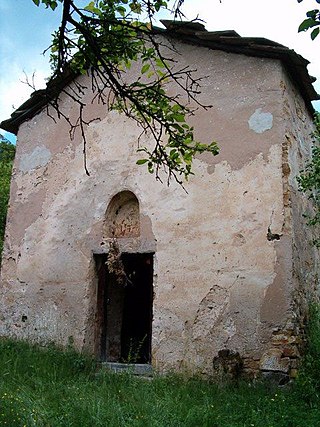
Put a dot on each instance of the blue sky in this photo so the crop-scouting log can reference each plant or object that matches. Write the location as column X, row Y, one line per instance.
column 25, row 32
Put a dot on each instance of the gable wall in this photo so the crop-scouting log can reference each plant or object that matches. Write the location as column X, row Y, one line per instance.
column 218, row 281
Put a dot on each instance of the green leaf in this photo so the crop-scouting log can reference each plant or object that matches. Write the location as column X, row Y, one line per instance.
column 150, row 167
column 177, row 127
column 175, row 108
column 187, row 158
column 135, row 7
column 50, row 3
column 122, row 11
column 91, row 8
column 313, row 14
column 160, row 4
column 160, row 63
column 36, row 2
column 145, row 68
column 306, row 24
column 314, row 33
column 179, row 118
column 141, row 161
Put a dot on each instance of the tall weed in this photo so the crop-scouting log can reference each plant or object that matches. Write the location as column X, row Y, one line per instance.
column 45, row 387
column 308, row 382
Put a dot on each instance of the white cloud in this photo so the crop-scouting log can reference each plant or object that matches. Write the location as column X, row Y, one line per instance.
column 13, row 92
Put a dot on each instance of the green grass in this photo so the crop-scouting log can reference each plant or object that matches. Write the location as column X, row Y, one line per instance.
column 47, row 387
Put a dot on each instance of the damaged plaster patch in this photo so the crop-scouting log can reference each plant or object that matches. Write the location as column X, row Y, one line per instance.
column 259, row 121
column 211, row 308
column 40, row 156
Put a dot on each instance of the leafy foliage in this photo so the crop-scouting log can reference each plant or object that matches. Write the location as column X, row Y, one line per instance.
column 311, row 22
column 309, row 375
column 7, row 152
column 309, row 180
column 103, row 39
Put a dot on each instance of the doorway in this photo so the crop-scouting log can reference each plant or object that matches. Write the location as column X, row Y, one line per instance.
column 124, row 311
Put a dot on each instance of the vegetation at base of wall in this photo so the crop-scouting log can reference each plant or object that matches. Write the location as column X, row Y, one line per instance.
column 309, row 180
column 7, row 152
column 309, row 376
column 44, row 386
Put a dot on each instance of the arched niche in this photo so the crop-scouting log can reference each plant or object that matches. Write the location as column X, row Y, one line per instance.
column 123, row 216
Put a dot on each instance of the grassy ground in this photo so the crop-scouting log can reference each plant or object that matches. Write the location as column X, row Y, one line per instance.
column 45, row 387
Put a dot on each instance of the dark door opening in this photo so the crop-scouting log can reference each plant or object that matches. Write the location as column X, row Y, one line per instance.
column 124, row 311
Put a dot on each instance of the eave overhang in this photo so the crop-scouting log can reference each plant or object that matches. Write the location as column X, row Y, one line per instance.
column 192, row 33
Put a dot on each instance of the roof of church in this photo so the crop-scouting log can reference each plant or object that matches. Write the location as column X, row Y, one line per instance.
column 196, row 34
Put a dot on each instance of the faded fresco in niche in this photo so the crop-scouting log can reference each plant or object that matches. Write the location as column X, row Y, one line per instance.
column 123, row 216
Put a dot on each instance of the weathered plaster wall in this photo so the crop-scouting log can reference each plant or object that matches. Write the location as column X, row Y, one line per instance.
column 221, row 277
column 297, row 153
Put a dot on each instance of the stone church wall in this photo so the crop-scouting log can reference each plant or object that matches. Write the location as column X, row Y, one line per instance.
column 224, row 251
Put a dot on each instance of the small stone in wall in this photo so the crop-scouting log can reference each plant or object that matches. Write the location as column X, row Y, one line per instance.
column 272, row 360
